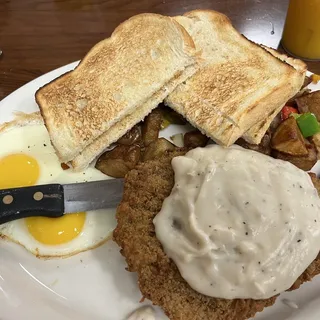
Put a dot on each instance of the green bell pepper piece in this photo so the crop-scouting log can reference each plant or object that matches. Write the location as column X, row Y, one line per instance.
column 308, row 124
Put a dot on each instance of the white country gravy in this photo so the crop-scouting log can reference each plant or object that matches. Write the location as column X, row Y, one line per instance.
column 239, row 224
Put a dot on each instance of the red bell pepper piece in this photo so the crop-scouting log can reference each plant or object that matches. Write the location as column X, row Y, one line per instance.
column 286, row 112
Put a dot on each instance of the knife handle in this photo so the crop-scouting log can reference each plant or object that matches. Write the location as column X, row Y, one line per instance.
column 42, row 200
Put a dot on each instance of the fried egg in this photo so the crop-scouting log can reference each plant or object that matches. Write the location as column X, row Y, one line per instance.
column 27, row 158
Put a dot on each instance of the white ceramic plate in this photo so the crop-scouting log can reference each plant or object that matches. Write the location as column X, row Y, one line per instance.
column 93, row 285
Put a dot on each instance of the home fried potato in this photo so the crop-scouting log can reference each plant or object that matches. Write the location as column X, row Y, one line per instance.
column 303, row 162
column 133, row 136
column 157, row 148
column 288, row 139
column 310, row 103
column 151, row 126
column 119, row 161
column 194, row 139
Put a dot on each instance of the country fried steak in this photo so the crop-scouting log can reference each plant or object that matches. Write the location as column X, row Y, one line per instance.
column 159, row 280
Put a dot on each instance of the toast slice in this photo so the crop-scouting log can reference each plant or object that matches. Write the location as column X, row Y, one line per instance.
column 256, row 132
column 238, row 84
column 117, row 76
column 113, row 134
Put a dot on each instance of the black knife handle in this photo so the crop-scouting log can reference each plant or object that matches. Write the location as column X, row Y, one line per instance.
column 43, row 200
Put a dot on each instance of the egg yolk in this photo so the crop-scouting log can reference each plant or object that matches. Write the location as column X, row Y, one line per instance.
column 21, row 170
column 54, row 231
column 18, row 170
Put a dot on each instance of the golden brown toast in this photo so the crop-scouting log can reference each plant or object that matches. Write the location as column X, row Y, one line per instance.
column 239, row 84
column 117, row 76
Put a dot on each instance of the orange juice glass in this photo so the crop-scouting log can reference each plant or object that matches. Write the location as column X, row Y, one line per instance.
column 301, row 34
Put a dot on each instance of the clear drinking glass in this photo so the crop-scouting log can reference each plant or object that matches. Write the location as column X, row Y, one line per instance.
column 301, row 34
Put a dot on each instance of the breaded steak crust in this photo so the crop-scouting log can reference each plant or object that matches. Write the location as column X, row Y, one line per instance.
column 159, row 279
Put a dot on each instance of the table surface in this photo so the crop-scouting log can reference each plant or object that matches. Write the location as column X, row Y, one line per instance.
column 37, row 36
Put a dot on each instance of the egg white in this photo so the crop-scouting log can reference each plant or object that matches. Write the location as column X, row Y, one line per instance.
column 34, row 141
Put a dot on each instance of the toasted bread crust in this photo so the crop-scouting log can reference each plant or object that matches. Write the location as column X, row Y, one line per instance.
column 115, row 77
column 159, row 279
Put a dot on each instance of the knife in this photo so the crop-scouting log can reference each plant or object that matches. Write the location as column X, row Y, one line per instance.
column 54, row 200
